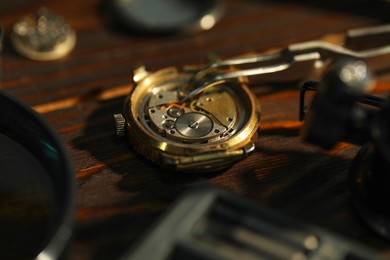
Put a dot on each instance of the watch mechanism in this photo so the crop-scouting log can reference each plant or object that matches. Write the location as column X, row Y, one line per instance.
column 206, row 132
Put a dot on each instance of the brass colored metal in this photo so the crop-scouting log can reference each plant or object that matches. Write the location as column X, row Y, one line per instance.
column 221, row 105
column 207, row 133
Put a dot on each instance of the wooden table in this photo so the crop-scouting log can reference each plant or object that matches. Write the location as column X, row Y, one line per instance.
column 120, row 194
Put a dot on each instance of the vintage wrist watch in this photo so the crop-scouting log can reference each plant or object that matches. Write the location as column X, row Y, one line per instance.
column 206, row 132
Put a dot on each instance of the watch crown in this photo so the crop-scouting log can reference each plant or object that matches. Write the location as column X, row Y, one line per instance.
column 120, row 122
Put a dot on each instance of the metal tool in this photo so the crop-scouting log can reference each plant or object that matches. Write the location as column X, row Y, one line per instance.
column 297, row 62
column 209, row 223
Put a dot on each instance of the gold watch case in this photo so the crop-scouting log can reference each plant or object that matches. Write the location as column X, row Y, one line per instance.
column 208, row 132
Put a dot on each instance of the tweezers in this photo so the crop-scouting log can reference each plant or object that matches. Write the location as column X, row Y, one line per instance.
column 296, row 62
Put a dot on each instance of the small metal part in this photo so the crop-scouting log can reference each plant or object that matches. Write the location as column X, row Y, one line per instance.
column 44, row 36
column 194, row 125
column 163, row 97
column 139, row 73
column 226, row 114
column 169, row 124
column 175, row 112
column 120, row 123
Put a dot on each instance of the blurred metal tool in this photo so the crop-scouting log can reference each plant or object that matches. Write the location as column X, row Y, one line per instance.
column 209, row 223
column 297, row 62
column 44, row 36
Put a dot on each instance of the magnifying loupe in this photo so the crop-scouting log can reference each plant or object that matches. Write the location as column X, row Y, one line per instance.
column 37, row 185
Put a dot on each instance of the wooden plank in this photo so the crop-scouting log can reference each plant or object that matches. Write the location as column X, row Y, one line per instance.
column 120, row 194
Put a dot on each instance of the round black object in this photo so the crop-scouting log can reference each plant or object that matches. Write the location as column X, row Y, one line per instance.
column 37, row 185
column 370, row 176
column 166, row 16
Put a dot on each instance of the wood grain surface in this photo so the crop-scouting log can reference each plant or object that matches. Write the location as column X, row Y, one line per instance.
column 119, row 194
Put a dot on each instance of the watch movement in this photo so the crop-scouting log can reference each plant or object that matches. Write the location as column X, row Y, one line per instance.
column 205, row 132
